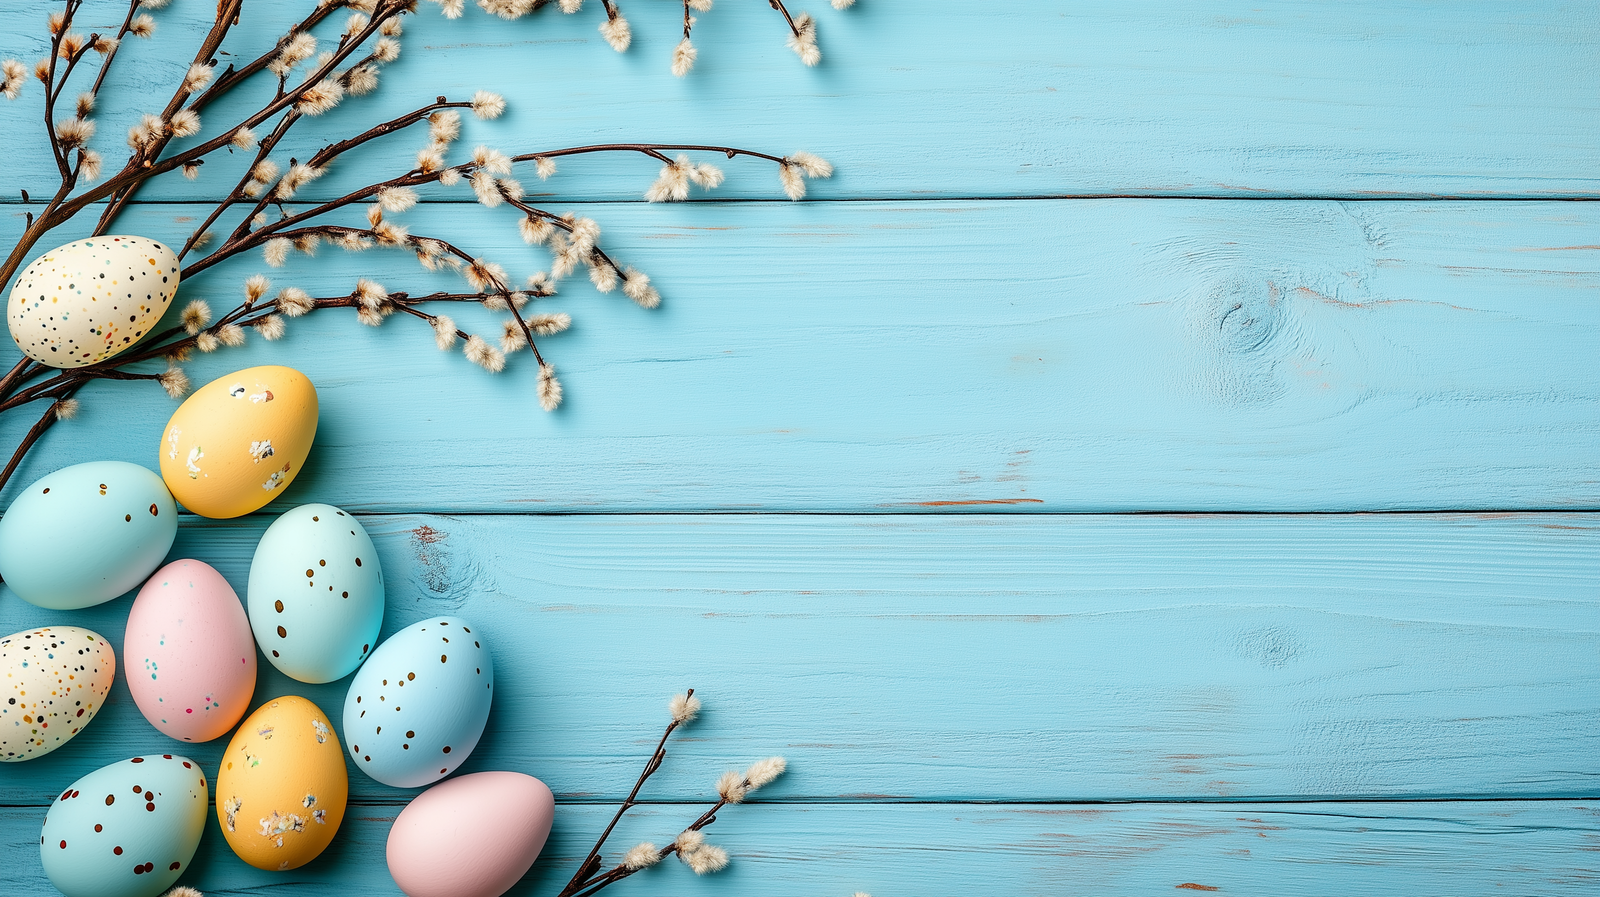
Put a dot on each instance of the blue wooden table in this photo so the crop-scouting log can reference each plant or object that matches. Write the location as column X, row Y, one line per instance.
column 1163, row 458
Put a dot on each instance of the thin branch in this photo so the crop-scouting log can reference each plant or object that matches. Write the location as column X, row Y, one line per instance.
column 49, row 90
column 105, row 67
column 778, row 5
column 25, row 369
column 45, row 422
column 148, row 169
column 650, row 149
column 227, row 16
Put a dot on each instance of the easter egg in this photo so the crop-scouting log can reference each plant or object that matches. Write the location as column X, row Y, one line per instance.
column 86, row 534
column 282, row 789
column 189, row 657
column 125, row 830
column 239, row 440
column 52, row 683
column 473, row 836
column 88, row 300
column 417, row 707
column 316, row 593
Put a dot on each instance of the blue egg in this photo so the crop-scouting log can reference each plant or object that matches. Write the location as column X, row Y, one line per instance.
column 85, row 534
column 126, row 830
column 417, row 708
column 316, row 593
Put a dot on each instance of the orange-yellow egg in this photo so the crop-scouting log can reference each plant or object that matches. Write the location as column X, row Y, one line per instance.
column 282, row 788
column 239, row 441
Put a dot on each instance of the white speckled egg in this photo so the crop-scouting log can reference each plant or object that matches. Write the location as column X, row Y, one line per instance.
column 85, row 534
column 126, row 830
column 315, row 597
column 86, row 301
column 417, row 707
column 52, row 683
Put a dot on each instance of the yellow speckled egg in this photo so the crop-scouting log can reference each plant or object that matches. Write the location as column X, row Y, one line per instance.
column 52, row 682
column 86, row 301
column 239, row 440
column 282, row 788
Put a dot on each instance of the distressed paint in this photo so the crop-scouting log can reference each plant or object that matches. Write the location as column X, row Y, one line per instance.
column 991, row 657
column 964, row 367
column 1075, row 355
column 1040, row 850
column 1249, row 98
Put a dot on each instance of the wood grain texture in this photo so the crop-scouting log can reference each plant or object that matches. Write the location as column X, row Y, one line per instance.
column 952, row 688
column 1040, row 356
column 1046, row 850
column 985, row 657
column 915, row 100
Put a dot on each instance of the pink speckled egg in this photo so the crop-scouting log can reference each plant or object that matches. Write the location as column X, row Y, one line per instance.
column 188, row 652
column 471, row 836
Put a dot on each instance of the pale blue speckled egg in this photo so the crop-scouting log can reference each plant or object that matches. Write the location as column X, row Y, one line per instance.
column 126, row 830
column 85, row 534
column 417, row 708
column 315, row 597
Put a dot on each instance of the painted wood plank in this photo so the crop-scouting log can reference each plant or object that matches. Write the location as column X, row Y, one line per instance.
column 917, row 99
column 1405, row 850
column 1034, row 657
column 1050, row 355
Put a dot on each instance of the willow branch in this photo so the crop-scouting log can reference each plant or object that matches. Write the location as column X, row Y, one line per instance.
column 50, row 86
column 232, row 77
column 778, row 5
column 127, row 24
column 227, row 16
column 334, row 150
column 44, row 423
column 650, row 767
column 263, row 149
column 650, row 149
column 25, row 369
column 138, row 174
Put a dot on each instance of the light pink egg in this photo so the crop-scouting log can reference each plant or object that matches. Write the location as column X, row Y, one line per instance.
column 471, row 836
column 188, row 653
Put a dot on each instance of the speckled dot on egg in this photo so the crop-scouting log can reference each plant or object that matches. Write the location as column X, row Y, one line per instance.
column 53, row 681
column 86, row 301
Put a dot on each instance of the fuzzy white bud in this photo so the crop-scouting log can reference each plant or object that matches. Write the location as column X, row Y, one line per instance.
column 683, row 58
column 549, row 388
column 641, row 856
column 684, row 708
column 488, row 105
column 444, row 331
column 196, row 315
column 617, row 33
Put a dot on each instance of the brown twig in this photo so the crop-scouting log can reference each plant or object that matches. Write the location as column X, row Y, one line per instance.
column 650, row 767
column 122, row 32
column 45, row 422
column 29, row 381
column 778, row 5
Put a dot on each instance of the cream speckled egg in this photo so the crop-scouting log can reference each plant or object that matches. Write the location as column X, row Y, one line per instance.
column 52, row 682
column 86, row 301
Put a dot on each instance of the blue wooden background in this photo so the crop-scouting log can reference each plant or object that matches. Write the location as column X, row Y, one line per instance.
column 1019, row 487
